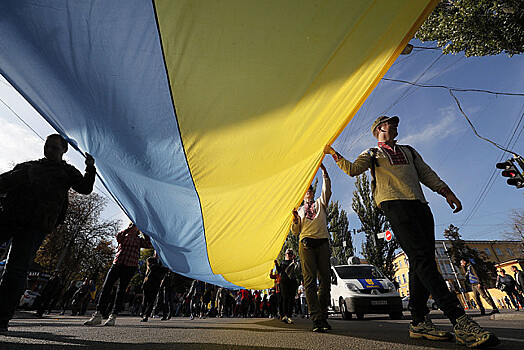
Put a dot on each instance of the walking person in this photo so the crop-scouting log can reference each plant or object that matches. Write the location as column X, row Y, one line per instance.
column 310, row 224
column 79, row 298
column 396, row 173
column 507, row 284
column 50, row 293
column 287, row 270
column 124, row 267
column 68, row 297
column 195, row 294
column 221, row 298
column 34, row 202
column 167, row 290
column 519, row 278
column 302, row 298
column 478, row 288
column 150, row 287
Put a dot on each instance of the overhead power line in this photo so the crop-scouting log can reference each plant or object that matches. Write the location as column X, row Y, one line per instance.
column 455, row 89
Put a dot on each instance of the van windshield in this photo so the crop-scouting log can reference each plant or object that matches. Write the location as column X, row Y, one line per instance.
column 352, row 272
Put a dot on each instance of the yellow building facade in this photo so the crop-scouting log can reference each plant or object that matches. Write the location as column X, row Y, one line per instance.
column 503, row 253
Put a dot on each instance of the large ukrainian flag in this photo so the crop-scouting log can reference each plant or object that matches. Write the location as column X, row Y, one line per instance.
column 207, row 119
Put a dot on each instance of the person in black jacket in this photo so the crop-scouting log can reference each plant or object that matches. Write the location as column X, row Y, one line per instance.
column 288, row 284
column 507, row 284
column 34, row 202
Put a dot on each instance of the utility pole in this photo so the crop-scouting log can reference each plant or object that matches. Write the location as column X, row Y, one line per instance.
column 454, row 271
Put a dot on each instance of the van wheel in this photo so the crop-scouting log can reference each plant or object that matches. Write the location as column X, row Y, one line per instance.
column 395, row 315
column 346, row 315
column 360, row 315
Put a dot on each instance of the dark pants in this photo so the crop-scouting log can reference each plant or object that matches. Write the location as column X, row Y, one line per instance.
column 479, row 291
column 289, row 289
column 116, row 272
column 169, row 298
column 149, row 302
column 513, row 296
column 414, row 228
column 24, row 245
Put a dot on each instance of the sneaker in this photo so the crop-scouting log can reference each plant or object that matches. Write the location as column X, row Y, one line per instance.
column 191, row 317
column 145, row 319
column 427, row 330
column 470, row 334
column 95, row 320
column 111, row 320
column 494, row 311
column 289, row 320
column 326, row 326
column 317, row 326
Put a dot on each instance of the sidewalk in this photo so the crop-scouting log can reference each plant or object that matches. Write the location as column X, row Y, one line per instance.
column 509, row 315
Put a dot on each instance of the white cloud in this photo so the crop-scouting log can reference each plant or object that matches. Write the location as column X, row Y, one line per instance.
column 17, row 144
column 444, row 126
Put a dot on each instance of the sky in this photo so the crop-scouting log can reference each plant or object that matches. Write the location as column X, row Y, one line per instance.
column 429, row 121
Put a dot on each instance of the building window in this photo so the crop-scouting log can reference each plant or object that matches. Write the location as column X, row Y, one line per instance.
column 488, row 252
column 400, row 263
column 403, row 279
column 498, row 251
column 510, row 252
column 406, row 261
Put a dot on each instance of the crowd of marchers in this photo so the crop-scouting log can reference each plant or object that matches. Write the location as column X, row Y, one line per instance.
column 165, row 294
column 35, row 200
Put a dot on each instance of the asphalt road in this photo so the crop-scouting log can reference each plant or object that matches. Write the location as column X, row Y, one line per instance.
column 374, row 332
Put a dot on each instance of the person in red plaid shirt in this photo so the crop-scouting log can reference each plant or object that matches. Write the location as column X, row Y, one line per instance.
column 124, row 268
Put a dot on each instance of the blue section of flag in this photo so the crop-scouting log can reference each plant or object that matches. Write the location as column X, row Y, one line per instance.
column 370, row 283
column 95, row 71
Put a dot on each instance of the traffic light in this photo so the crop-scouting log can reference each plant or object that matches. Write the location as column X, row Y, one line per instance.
column 511, row 170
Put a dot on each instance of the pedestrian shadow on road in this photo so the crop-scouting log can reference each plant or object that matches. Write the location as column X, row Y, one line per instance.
column 67, row 342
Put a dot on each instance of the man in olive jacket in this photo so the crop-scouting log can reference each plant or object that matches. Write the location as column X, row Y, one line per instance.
column 34, row 202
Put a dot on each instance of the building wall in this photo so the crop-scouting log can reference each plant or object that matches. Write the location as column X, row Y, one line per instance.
column 494, row 251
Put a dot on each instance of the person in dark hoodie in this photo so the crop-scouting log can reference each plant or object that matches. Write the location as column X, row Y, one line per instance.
column 34, row 202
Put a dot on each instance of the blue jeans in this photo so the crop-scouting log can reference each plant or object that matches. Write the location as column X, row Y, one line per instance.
column 25, row 243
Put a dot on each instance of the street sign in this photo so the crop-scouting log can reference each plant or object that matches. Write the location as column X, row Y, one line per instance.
column 388, row 236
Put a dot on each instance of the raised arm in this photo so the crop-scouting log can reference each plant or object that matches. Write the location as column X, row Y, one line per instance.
column 84, row 183
column 326, row 186
column 361, row 164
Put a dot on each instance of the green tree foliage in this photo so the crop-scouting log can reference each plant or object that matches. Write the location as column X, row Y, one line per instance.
column 338, row 227
column 476, row 27
column 82, row 246
column 376, row 251
column 460, row 250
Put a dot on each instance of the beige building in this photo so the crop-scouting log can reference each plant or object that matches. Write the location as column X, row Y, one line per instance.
column 505, row 253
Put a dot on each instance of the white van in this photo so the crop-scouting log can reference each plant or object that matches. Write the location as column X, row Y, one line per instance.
column 362, row 289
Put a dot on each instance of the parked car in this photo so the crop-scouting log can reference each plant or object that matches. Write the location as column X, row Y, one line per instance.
column 432, row 305
column 29, row 299
column 362, row 289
